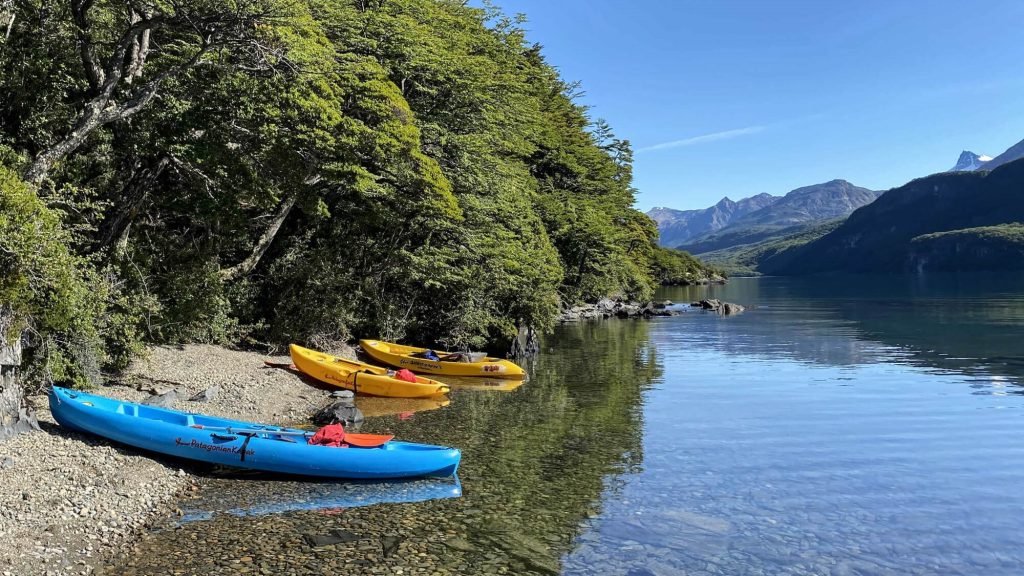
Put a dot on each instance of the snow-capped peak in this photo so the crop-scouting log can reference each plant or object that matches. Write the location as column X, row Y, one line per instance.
column 969, row 161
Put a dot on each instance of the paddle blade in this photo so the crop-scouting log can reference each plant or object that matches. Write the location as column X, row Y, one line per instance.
column 368, row 440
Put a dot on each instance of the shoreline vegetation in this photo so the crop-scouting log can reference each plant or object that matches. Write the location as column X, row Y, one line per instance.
column 306, row 172
column 185, row 177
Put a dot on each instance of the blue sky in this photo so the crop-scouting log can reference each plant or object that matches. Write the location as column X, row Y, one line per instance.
column 737, row 97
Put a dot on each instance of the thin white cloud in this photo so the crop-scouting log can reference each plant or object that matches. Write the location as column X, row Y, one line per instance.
column 704, row 138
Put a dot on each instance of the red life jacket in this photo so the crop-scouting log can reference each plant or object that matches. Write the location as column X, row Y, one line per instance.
column 405, row 374
column 330, row 435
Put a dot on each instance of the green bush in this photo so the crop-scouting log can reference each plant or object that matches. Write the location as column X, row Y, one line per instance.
column 55, row 297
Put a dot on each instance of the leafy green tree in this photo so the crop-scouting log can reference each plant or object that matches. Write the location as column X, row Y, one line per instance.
column 309, row 170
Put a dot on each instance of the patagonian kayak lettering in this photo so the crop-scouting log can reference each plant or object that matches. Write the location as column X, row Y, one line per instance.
column 409, row 362
column 212, row 447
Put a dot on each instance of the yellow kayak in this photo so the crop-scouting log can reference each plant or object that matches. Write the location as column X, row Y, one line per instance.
column 406, row 357
column 362, row 378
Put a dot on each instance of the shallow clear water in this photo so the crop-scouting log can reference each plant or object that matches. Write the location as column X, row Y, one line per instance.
column 837, row 428
column 863, row 425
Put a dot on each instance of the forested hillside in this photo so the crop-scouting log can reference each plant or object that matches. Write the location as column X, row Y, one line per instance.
column 278, row 170
column 949, row 221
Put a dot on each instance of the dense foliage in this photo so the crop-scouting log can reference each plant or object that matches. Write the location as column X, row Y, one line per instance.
column 273, row 170
column 747, row 259
column 675, row 267
column 983, row 248
column 45, row 289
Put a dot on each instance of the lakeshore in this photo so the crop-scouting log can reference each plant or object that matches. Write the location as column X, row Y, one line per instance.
column 73, row 502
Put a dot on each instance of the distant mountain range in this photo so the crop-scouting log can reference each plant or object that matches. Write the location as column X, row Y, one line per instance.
column 753, row 219
column 949, row 221
column 753, row 225
column 1015, row 152
column 678, row 226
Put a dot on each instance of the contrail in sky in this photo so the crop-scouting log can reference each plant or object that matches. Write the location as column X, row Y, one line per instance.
column 704, row 138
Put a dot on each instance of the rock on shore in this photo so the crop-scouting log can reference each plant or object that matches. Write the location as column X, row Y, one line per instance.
column 615, row 308
column 70, row 500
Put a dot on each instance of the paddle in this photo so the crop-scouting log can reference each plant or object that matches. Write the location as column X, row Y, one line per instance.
column 368, row 440
column 360, row 440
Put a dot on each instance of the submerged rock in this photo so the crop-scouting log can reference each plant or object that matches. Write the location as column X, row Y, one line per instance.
column 730, row 308
column 460, row 544
column 716, row 305
column 389, row 545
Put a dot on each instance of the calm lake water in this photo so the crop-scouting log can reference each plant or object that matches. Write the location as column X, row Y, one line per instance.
column 865, row 425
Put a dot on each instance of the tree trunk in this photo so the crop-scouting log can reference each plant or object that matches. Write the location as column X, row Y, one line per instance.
column 131, row 200
column 15, row 415
column 249, row 264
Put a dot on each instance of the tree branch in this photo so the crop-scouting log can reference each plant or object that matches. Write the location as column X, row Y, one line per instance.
column 80, row 14
column 249, row 264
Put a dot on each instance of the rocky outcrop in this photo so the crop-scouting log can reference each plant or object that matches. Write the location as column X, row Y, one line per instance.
column 525, row 344
column 15, row 415
column 716, row 305
column 616, row 308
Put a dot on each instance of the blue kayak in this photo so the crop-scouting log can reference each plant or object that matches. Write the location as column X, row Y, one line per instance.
column 243, row 444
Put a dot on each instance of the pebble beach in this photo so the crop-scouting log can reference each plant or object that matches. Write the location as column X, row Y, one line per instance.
column 71, row 502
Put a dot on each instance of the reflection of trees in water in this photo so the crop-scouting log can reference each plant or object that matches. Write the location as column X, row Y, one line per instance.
column 537, row 460
column 967, row 323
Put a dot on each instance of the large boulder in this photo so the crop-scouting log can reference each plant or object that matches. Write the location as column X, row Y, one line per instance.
column 206, row 395
column 716, row 305
column 341, row 411
column 730, row 308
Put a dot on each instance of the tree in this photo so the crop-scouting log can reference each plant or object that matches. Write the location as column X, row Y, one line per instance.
column 133, row 48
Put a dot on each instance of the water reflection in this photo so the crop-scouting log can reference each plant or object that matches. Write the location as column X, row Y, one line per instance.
column 536, row 463
column 965, row 323
column 248, row 496
column 842, row 426
column 372, row 406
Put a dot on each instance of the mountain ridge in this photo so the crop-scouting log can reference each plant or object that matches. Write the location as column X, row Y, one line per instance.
column 798, row 208
column 1012, row 153
column 880, row 237
column 678, row 226
column 969, row 161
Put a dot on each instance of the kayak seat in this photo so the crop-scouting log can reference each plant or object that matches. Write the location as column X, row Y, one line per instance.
column 162, row 415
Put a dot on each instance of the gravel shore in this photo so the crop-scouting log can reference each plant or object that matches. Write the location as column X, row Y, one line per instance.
column 70, row 501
